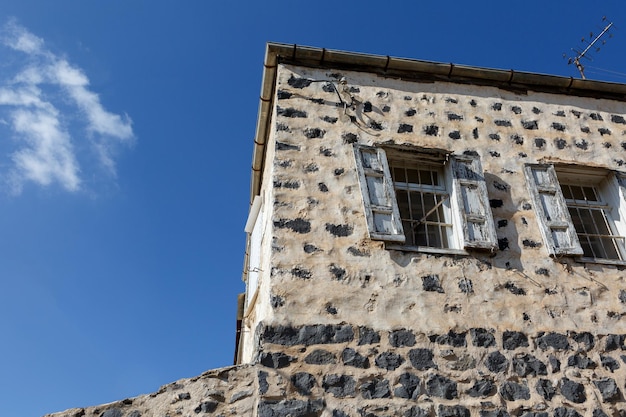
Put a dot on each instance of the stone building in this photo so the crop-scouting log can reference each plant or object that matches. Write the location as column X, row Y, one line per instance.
column 424, row 239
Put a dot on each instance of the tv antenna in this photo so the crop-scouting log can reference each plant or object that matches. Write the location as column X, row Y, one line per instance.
column 590, row 44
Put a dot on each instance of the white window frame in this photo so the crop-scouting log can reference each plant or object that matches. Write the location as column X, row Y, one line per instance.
column 468, row 205
column 548, row 197
column 254, row 228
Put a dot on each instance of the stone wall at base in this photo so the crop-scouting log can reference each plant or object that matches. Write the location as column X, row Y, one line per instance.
column 341, row 371
column 227, row 391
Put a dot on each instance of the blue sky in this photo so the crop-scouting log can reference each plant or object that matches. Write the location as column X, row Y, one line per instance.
column 126, row 134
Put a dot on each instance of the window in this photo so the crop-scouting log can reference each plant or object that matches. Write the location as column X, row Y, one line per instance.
column 423, row 202
column 579, row 211
column 426, row 200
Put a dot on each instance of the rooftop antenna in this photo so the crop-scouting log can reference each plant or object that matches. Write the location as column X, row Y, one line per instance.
column 590, row 44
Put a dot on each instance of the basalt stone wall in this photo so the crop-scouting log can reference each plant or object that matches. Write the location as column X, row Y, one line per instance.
column 345, row 371
column 364, row 372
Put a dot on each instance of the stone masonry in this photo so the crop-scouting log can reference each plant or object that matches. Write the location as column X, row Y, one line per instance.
column 341, row 325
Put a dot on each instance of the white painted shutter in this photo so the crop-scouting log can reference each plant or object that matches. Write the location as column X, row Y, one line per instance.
column 379, row 198
column 474, row 210
column 555, row 222
column 616, row 196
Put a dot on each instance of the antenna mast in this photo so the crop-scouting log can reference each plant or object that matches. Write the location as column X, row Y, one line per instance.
column 577, row 58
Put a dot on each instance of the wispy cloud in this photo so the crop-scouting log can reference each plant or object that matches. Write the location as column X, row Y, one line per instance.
column 34, row 106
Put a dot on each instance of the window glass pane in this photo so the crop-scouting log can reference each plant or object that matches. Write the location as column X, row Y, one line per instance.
column 398, row 174
column 587, row 221
column 577, row 193
column 567, row 191
column 403, row 204
column 426, row 177
column 417, row 205
column 409, row 233
column 609, row 245
column 590, row 194
column 600, row 222
column 412, row 176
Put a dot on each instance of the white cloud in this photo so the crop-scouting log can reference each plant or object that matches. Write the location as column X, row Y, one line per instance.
column 18, row 38
column 33, row 104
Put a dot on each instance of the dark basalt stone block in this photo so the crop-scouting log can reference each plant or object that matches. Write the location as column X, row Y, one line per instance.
column 608, row 388
column 530, row 124
column 307, row 335
column 275, row 359
column 314, row 133
column 496, row 413
column 402, row 337
column 513, row 340
column 482, row 388
column 409, row 386
column 553, row 340
column 431, row 283
column 512, row 391
column 422, row 359
column 320, row 357
column 389, row 361
column 482, row 338
column 573, row 391
column 417, row 412
column 299, row 82
column 529, row 365
column 496, row 362
column 206, row 407
column 565, row 412
column 584, row 338
column 368, row 336
column 339, row 230
column 377, row 388
column 581, row 361
column 452, row 411
column 609, row 363
column 291, row 408
column 339, row 385
column 301, row 226
column 452, row 339
column 351, row 357
column 442, row 387
column 405, row 128
column 290, row 112
column 545, row 388
column 614, row 342
column 303, row 382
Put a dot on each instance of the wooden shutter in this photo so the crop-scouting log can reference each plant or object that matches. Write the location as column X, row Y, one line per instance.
column 551, row 210
column 473, row 203
column 379, row 198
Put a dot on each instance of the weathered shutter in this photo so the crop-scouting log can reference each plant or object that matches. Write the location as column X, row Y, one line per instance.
column 471, row 196
column 555, row 222
column 616, row 193
column 620, row 179
column 379, row 199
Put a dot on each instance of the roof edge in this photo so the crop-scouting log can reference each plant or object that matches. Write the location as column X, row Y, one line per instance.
column 410, row 69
